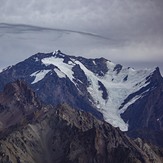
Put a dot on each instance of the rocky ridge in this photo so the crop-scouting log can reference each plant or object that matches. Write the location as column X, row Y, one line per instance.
column 126, row 98
column 63, row 134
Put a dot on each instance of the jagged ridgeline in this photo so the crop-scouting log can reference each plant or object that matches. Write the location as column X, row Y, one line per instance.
column 122, row 96
column 36, row 133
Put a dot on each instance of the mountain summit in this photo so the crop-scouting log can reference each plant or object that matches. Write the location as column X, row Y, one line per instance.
column 109, row 91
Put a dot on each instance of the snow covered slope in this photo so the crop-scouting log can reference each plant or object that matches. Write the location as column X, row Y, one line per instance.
column 117, row 84
column 105, row 85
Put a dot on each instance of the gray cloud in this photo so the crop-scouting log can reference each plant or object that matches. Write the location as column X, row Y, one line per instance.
column 134, row 28
column 81, row 14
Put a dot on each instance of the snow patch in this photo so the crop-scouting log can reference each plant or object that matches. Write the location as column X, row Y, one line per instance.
column 4, row 69
column 39, row 75
column 56, row 52
column 94, row 62
column 36, row 59
column 121, row 111
column 59, row 73
column 117, row 89
column 63, row 67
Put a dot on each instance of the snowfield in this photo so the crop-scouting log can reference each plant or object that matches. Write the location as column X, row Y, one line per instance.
column 117, row 88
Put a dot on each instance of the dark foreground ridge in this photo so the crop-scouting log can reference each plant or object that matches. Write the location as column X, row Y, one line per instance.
column 36, row 133
column 97, row 86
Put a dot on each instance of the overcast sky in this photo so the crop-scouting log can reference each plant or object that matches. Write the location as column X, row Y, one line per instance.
column 134, row 28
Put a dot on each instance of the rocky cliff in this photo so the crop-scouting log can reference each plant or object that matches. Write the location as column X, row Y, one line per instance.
column 62, row 134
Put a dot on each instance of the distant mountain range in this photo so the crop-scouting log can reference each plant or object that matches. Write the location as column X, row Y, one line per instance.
column 124, row 97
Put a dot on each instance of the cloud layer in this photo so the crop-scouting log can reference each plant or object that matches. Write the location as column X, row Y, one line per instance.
column 97, row 15
column 135, row 28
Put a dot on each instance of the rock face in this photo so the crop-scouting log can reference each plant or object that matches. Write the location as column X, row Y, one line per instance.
column 17, row 104
column 126, row 98
column 145, row 116
column 63, row 134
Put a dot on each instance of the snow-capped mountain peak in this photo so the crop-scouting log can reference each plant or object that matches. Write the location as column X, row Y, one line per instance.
column 117, row 84
column 86, row 83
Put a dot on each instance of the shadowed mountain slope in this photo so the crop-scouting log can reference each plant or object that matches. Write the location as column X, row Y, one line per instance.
column 62, row 134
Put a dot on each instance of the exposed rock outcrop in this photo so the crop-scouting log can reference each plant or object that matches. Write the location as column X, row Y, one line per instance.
column 63, row 134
